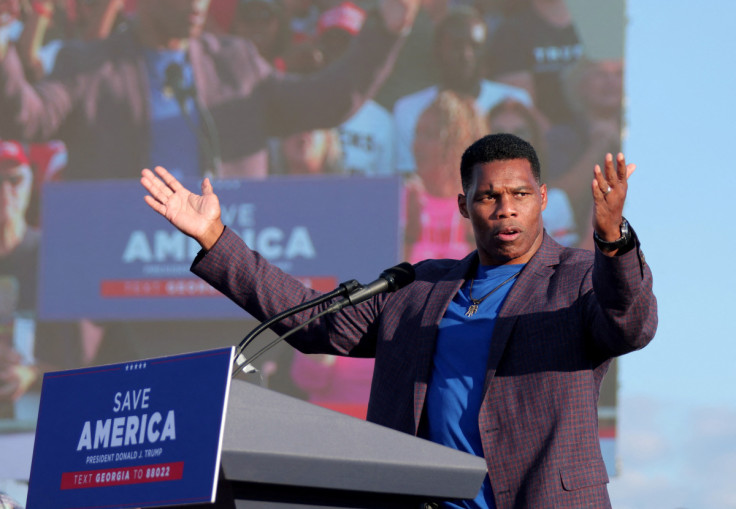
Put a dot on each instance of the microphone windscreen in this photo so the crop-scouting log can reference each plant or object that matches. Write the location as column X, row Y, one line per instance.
column 399, row 276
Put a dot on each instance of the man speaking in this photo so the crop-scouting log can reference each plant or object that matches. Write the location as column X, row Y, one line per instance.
column 500, row 354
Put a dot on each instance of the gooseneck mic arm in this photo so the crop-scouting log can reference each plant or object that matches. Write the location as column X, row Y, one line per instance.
column 247, row 364
column 344, row 289
column 350, row 294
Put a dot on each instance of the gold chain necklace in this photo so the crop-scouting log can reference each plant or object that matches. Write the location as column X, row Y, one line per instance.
column 473, row 308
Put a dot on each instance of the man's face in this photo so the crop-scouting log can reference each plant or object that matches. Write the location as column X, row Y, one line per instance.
column 15, row 191
column 504, row 203
column 458, row 51
column 175, row 19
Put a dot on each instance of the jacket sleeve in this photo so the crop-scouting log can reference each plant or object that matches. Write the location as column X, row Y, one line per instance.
column 621, row 309
column 264, row 290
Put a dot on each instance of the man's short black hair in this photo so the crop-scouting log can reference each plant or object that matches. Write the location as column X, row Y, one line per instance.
column 497, row 147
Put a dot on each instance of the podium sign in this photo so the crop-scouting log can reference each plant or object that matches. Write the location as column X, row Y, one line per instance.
column 138, row 434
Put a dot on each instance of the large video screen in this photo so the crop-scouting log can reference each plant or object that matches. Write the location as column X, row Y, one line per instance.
column 333, row 146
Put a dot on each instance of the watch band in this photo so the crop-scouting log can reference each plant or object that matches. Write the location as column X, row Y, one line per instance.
column 620, row 242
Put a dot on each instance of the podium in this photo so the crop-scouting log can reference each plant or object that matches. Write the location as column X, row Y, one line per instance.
column 281, row 452
column 155, row 432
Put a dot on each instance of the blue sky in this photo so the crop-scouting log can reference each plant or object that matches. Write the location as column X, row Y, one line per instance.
column 677, row 413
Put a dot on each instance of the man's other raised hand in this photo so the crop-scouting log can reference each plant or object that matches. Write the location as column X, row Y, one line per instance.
column 609, row 187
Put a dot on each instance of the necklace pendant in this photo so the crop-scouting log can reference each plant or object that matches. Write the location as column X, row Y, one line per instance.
column 471, row 309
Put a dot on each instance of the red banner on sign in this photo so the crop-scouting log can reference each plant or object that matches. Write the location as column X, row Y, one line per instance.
column 112, row 288
column 123, row 475
column 156, row 288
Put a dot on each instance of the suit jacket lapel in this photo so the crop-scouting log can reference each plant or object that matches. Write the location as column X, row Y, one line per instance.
column 439, row 298
column 539, row 268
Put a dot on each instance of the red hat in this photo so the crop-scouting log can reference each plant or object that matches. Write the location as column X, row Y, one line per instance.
column 13, row 151
column 346, row 16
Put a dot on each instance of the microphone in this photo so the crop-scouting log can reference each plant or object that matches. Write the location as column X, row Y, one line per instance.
column 175, row 85
column 389, row 281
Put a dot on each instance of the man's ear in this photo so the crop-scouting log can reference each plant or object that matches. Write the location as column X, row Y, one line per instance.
column 462, row 205
column 543, row 191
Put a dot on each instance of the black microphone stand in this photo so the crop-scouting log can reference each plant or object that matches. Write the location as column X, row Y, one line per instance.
column 343, row 290
column 352, row 292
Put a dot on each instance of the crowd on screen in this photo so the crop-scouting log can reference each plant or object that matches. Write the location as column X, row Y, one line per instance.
column 467, row 67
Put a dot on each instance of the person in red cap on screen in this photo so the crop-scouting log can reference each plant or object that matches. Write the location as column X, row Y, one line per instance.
column 18, row 258
column 16, row 180
column 28, row 347
column 337, row 27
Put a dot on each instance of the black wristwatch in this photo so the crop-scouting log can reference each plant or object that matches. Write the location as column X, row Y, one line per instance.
column 620, row 242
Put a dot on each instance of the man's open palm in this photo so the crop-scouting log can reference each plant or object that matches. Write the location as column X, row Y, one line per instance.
column 195, row 215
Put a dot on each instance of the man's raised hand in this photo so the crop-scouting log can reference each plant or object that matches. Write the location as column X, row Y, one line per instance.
column 609, row 194
column 195, row 215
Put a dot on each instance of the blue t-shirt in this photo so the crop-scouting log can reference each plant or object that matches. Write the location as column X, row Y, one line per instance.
column 174, row 143
column 455, row 390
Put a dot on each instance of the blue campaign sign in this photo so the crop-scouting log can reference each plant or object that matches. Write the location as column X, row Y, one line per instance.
column 106, row 255
column 138, row 434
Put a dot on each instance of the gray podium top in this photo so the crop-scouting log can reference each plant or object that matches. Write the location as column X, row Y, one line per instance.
column 277, row 439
